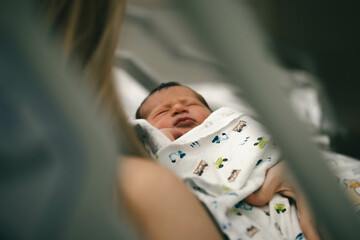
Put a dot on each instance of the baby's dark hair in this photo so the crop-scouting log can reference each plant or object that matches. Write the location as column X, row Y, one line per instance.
column 167, row 85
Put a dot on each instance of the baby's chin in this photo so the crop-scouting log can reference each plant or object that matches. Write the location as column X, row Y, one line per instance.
column 174, row 133
column 182, row 131
column 178, row 132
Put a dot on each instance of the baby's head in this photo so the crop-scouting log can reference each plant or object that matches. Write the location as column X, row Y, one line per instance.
column 174, row 109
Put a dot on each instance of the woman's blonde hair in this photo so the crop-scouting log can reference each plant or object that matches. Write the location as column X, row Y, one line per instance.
column 88, row 31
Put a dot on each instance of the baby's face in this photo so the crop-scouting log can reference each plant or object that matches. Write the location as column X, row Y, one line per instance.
column 174, row 110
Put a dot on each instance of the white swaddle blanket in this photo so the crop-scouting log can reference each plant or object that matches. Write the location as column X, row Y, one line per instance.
column 224, row 160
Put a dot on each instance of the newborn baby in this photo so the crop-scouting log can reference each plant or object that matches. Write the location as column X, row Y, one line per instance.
column 223, row 157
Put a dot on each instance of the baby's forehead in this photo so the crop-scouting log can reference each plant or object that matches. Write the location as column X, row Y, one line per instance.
column 179, row 89
column 173, row 93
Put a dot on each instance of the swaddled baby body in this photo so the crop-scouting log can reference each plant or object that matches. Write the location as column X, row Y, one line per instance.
column 223, row 156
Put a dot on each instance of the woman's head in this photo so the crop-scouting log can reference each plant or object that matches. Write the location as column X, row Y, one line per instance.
column 88, row 32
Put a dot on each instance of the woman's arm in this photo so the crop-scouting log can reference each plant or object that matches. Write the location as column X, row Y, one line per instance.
column 279, row 180
column 160, row 204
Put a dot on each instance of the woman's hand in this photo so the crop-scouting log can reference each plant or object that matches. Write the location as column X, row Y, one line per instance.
column 279, row 180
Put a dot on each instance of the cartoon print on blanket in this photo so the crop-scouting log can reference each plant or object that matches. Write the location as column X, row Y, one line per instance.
column 244, row 205
column 300, row 236
column 174, row 156
column 195, row 144
column 353, row 191
column 251, row 231
column 234, row 174
column 220, row 162
column 261, row 142
column 245, row 140
column 218, row 139
column 236, row 212
column 280, row 208
column 239, row 127
column 201, row 168
column 226, row 225
column 261, row 161
column 228, row 191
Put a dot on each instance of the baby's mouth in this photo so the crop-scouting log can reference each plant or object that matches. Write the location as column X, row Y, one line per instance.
column 184, row 122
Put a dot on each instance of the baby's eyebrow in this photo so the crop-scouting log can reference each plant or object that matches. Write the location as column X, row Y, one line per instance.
column 149, row 112
column 190, row 99
column 186, row 99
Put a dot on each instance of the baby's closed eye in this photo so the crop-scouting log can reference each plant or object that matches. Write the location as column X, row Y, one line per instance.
column 193, row 103
column 162, row 112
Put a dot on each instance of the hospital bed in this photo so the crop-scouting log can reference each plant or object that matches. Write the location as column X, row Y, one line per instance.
column 45, row 194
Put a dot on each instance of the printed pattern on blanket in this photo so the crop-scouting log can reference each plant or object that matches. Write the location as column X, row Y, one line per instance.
column 347, row 173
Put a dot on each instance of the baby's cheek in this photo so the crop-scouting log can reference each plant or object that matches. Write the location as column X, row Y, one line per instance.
column 167, row 132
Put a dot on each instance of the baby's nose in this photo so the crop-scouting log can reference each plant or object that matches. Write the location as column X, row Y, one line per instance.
column 178, row 108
